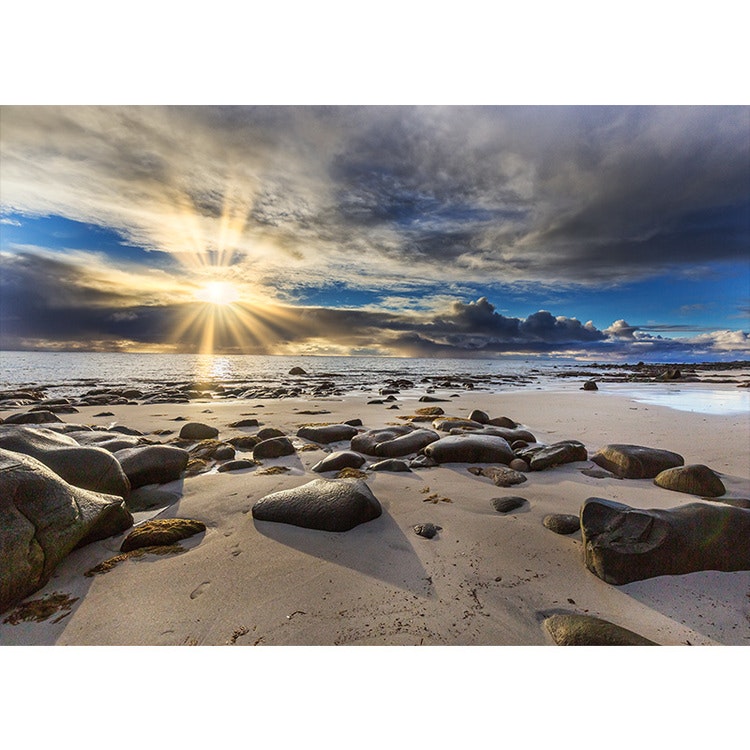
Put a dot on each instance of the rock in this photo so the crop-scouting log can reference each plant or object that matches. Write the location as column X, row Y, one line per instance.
column 32, row 417
column 564, row 452
column 470, row 449
column 331, row 433
column 152, row 464
column 356, row 422
column 427, row 530
column 212, row 448
column 198, row 431
column 636, row 461
column 273, row 448
column 585, row 630
column 518, row 464
column 501, row 476
column 161, row 531
column 244, row 442
column 325, row 504
column 624, row 544
column 89, row 468
column 237, row 465
column 339, row 460
column 479, row 416
column 590, row 385
column 670, row 374
column 390, row 464
column 109, row 441
column 737, row 502
column 147, row 498
column 393, row 442
column 269, row 432
column 42, row 519
column 429, row 411
column 297, row 371
column 695, row 479
column 431, row 399
column 503, row 422
column 507, row 504
column 422, row 462
column 245, row 423
column 599, row 474
column 511, row 436
column 561, row 523
column 444, row 424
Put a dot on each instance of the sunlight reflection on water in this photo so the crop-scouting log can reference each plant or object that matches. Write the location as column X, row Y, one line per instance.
column 693, row 399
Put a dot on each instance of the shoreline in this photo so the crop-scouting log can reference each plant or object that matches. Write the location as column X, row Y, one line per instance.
column 487, row 579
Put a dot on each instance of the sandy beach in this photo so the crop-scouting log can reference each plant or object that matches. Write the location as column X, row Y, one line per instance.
column 486, row 578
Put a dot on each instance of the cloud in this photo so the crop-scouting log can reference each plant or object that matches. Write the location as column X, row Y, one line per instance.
column 572, row 195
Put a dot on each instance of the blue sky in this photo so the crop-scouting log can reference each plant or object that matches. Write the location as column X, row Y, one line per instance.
column 436, row 231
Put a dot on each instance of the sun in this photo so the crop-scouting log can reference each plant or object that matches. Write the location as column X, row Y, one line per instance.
column 218, row 293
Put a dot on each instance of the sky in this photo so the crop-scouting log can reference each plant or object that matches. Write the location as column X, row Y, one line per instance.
column 598, row 232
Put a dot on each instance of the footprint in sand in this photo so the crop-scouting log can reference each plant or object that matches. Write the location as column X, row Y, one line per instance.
column 197, row 592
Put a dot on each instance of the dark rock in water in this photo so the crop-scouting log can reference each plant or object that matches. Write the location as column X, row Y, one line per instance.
column 331, row 433
column 393, row 442
column 470, row 449
column 273, row 448
column 695, row 479
column 198, row 431
column 339, row 460
column 585, row 630
column 564, row 452
column 479, row 416
column 245, row 423
column 590, row 385
column 503, row 422
column 269, row 432
column 636, row 461
column 89, row 468
column 501, row 476
column 152, row 464
column 427, row 530
column 390, row 464
column 297, row 371
column 431, row 399
column 325, row 504
column 160, row 532
column 561, row 523
column 518, row 464
column 43, row 519
column 147, row 498
column 237, row 465
column 32, row 417
column 624, row 544
column 507, row 504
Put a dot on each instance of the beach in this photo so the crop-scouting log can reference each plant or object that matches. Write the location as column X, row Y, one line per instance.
column 486, row 578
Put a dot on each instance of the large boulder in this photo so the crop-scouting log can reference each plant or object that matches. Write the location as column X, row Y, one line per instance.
column 393, row 442
column 325, row 504
column 636, row 461
column 564, row 452
column 586, row 630
column 198, row 431
column 695, row 479
column 339, row 460
column 470, row 448
column 42, row 519
column 152, row 464
column 90, row 468
column 623, row 544
column 330, row 433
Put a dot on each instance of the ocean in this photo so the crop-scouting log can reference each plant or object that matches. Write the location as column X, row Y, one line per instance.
column 70, row 374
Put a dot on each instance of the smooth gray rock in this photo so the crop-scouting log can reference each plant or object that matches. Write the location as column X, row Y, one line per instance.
column 390, row 464
column 624, row 544
column 636, row 461
column 152, row 464
column 32, row 417
column 198, row 431
column 564, row 452
column 273, row 448
column 695, row 479
column 325, row 504
column 339, row 460
column 561, row 523
column 89, row 468
column 42, row 519
column 109, row 441
column 479, row 416
column 331, row 433
column 470, row 449
column 237, row 465
column 504, row 432
column 393, row 442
